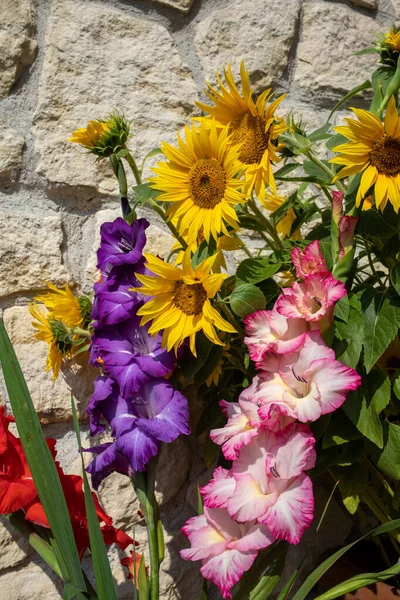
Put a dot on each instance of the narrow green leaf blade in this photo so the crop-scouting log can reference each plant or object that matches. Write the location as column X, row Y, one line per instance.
column 41, row 464
column 101, row 565
column 356, row 90
column 316, row 575
column 287, row 588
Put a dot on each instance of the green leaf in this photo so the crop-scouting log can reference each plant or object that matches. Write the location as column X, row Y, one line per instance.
column 382, row 76
column 142, row 579
column 339, row 431
column 396, row 384
column 336, row 140
column 254, row 270
column 204, row 251
column 372, row 223
column 366, row 51
column 70, row 591
column 381, row 323
column 353, row 482
column 250, row 222
column 359, row 581
column 315, row 171
column 342, row 309
column 388, row 459
column 101, row 565
column 189, row 364
column 395, row 277
column 41, row 465
column 209, row 365
column 285, row 170
column 281, row 211
column 245, row 299
column 350, row 333
column 321, row 133
column 287, row 588
column 144, row 192
column 364, row 405
column 295, row 142
column 316, row 575
column 356, row 90
column 265, row 573
column 150, row 154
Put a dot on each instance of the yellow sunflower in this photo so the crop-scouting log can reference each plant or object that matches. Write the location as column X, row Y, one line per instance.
column 199, row 180
column 374, row 149
column 63, row 305
column 272, row 202
column 91, row 135
column 180, row 303
column 253, row 125
column 45, row 332
column 392, row 39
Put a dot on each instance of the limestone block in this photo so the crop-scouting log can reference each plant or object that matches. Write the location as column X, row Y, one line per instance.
column 325, row 65
column 30, row 252
column 31, row 582
column 172, row 469
column 13, row 547
column 158, row 241
column 261, row 32
column 11, row 148
column 17, row 48
column 52, row 400
column 183, row 6
column 104, row 60
column 371, row 4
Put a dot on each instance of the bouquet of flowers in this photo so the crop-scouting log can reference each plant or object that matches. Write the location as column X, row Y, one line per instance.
column 293, row 354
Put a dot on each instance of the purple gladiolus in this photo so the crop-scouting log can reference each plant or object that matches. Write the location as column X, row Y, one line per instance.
column 108, row 460
column 131, row 355
column 104, row 397
column 121, row 243
column 156, row 413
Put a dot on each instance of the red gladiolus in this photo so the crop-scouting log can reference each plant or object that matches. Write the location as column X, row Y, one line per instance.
column 133, row 563
column 17, row 488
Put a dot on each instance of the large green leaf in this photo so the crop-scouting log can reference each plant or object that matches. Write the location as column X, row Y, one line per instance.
column 395, row 277
column 388, row 459
column 359, row 581
column 254, row 270
column 245, row 299
column 381, row 323
column 316, row 575
column 364, row 405
column 265, row 573
column 41, row 464
column 353, row 482
column 101, row 566
column 350, row 333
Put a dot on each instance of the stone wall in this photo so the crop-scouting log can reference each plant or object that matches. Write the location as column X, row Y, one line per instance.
column 63, row 62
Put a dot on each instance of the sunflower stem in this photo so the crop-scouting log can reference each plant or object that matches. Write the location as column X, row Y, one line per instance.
column 243, row 246
column 81, row 332
column 325, row 168
column 264, row 220
column 150, row 202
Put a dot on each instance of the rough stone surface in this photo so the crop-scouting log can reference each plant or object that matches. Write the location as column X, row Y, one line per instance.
column 371, row 4
column 13, row 547
column 31, row 582
column 17, row 48
column 223, row 37
column 183, row 6
column 30, row 252
column 11, row 149
column 52, row 400
column 84, row 75
column 326, row 67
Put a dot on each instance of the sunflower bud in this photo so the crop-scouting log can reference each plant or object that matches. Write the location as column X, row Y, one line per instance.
column 388, row 46
column 103, row 137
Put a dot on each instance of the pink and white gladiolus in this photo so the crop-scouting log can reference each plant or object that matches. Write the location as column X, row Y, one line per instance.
column 270, row 331
column 226, row 548
column 310, row 261
column 243, row 424
column 310, row 299
column 304, row 384
column 267, row 482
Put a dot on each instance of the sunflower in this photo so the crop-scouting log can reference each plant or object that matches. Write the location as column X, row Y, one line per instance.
column 46, row 333
column 199, row 181
column 272, row 202
column 392, row 39
column 103, row 137
column 63, row 305
column 253, row 125
column 91, row 135
column 180, row 303
column 374, row 149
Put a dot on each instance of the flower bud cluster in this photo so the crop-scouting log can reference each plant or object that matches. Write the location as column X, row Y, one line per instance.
column 266, row 494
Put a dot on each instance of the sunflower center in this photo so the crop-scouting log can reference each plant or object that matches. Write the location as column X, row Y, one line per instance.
column 249, row 131
column 207, row 183
column 385, row 155
column 189, row 298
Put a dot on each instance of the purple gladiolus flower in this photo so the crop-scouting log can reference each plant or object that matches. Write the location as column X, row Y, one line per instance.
column 121, row 244
column 130, row 354
column 104, row 397
column 107, row 460
column 114, row 299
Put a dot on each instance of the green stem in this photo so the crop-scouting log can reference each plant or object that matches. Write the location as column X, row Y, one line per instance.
column 43, row 548
column 243, row 246
column 231, row 319
column 325, row 168
column 144, row 484
column 154, row 205
column 263, row 219
column 371, row 264
column 81, row 332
